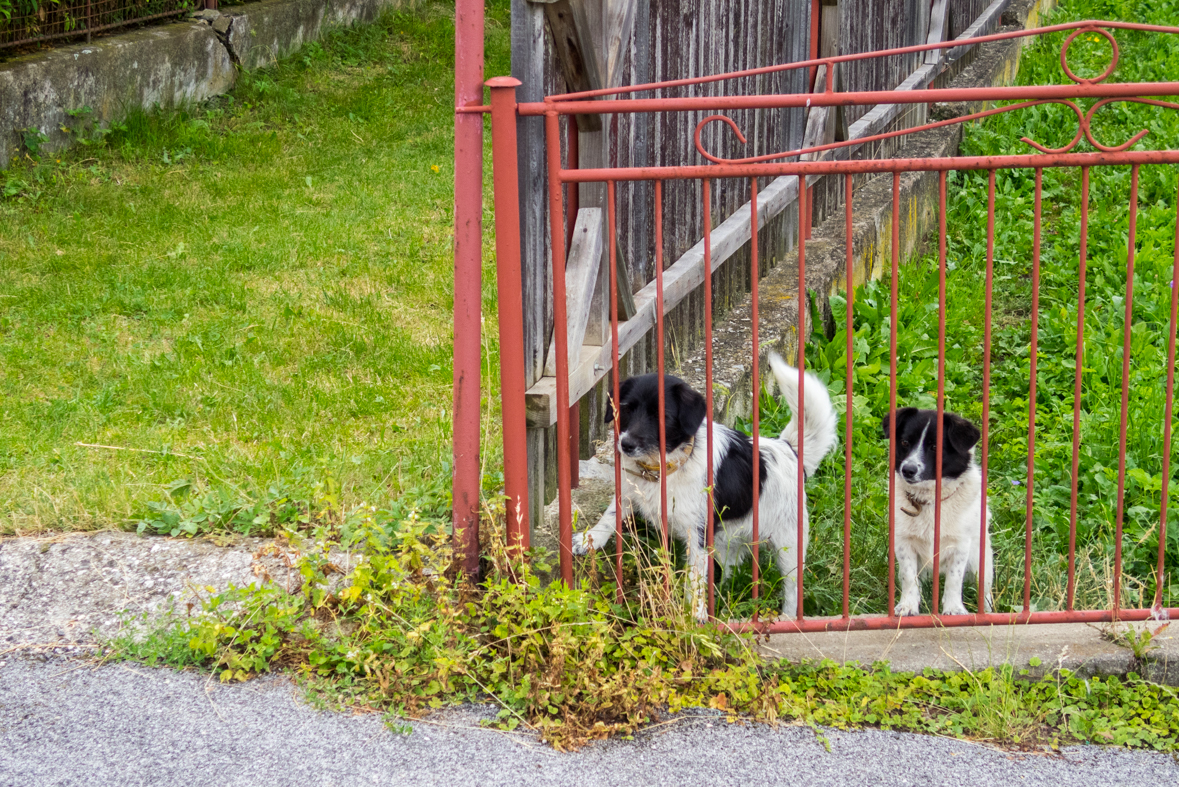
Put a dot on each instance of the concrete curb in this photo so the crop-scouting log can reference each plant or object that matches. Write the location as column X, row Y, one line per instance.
column 1078, row 647
column 165, row 66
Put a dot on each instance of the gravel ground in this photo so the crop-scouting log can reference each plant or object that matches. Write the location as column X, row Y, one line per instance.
column 67, row 722
column 63, row 592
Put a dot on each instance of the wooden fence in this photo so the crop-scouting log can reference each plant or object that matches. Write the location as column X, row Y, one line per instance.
column 613, row 43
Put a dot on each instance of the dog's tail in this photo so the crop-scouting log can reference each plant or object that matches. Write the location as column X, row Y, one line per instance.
column 818, row 417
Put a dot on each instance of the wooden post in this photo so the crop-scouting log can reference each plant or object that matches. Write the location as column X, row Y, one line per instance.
column 528, row 66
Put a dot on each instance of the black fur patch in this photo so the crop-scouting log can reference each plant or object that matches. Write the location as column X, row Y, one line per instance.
column 733, row 490
column 959, row 436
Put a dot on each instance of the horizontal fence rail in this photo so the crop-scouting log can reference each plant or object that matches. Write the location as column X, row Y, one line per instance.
column 35, row 21
column 829, row 162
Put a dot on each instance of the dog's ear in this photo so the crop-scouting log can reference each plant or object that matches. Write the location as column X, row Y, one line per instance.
column 903, row 414
column 959, row 433
column 690, row 407
column 623, row 390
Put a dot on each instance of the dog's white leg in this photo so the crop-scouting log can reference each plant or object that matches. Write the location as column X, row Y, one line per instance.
column 910, row 601
column 787, row 557
column 698, row 579
column 984, row 583
column 952, row 595
column 600, row 534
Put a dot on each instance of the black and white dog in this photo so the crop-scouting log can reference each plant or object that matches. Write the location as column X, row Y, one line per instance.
column 915, row 472
column 687, row 475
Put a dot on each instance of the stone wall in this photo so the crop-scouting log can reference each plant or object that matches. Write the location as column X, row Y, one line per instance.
column 166, row 66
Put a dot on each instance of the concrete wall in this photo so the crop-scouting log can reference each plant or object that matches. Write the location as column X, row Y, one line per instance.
column 167, row 66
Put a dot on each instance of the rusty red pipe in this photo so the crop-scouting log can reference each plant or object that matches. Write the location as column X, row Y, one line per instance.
column 468, row 282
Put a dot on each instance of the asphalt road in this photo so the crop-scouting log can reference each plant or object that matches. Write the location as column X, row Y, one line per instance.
column 69, row 723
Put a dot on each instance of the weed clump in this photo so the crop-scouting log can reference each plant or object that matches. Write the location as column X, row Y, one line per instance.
column 402, row 633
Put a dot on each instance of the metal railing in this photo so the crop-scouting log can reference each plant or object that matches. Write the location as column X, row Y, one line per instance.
column 36, row 21
column 651, row 310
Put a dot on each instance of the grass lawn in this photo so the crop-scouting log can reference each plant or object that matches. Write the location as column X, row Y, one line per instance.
column 224, row 315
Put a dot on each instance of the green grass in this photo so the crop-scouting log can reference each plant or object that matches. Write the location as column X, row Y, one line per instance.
column 247, row 302
column 1144, row 58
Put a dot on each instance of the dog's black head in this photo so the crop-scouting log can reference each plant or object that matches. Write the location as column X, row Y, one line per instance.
column 916, row 454
column 638, row 412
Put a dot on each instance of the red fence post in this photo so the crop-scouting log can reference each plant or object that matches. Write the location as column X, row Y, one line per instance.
column 468, row 275
column 505, row 176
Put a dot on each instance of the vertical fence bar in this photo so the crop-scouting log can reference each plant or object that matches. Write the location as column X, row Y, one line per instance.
column 710, row 534
column 805, row 193
column 572, row 205
column 754, row 275
column 1034, row 351
column 941, row 388
column 986, row 392
column 892, row 392
column 511, row 308
column 610, row 217
column 850, row 291
column 1080, row 357
column 804, row 214
column 662, row 371
column 1126, row 325
column 468, row 281
column 573, row 193
column 1158, row 582
column 561, row 345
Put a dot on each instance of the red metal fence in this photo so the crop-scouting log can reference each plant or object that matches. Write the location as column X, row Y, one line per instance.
column 34, row 21
column 505, row 110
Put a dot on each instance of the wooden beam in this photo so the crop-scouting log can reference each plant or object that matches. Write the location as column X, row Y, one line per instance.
column 829, row 47
column 679, row 281
column 573, row 44
column 581, row 274
column 820, row 123
column 626, row 296
column 619, row 24
column 939, row 30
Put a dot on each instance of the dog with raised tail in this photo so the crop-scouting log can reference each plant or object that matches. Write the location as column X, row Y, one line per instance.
column 686, row 471
column 915, row 471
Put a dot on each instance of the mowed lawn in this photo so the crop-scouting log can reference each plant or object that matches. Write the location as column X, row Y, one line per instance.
column 214, row 312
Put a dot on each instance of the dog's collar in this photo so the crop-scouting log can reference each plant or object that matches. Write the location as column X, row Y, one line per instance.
column 919, row 504
column 650, row 471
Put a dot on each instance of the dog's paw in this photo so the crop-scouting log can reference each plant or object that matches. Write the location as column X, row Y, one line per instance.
column 954, row 608
column 582, row 544
column 905, row 608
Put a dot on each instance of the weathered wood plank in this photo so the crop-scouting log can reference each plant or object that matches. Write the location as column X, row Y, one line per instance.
column 581, row 274
column 528, row 42
column 679, row 280
column 619, row 25
column 939, row 30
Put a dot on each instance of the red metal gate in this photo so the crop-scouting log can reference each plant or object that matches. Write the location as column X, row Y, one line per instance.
column 505, row 110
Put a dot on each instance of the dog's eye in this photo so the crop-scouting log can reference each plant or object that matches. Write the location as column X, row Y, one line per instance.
column 904, row 444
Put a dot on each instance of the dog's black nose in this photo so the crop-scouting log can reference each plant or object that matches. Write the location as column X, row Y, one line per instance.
column 909, row 472
column 628, row 445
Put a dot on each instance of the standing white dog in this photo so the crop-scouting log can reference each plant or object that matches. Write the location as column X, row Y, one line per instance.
column 916, row 466
column 687, row 475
